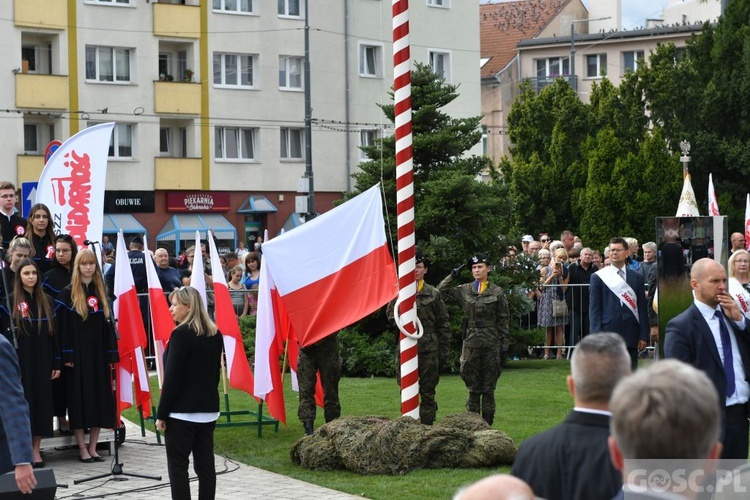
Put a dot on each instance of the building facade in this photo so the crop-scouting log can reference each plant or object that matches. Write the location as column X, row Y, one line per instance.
column 208, row 98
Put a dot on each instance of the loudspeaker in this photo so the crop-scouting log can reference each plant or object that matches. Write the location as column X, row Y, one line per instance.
column 46, row 486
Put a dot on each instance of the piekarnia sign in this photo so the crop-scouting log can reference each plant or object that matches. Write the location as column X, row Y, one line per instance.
column 127, row 202
column 199, row 201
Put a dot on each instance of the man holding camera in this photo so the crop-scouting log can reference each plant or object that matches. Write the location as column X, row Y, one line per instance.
column 485, row 330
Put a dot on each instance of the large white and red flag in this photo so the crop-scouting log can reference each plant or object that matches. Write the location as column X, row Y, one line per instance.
column 322, row 276
column 713, row 204
column 132, row 340
column 747, row 223
column 72, row 183
column 238, row 368
column 161, row 319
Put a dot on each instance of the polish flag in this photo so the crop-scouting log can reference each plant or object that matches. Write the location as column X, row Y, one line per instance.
column 747, row 223
column 713, row 205
column 198, row 277
column 238, row 369
column 161, row 319
column 132, row 334
column 322, row 276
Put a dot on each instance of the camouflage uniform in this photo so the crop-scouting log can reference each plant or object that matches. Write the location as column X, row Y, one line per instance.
column 432, row 348
column 486, row 318
column 322, row 356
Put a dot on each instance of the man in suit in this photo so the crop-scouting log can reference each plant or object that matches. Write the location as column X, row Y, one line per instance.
column 558, row 462
column 617, row 301
column 15, row 427
column 662, row 417
column 711, row 335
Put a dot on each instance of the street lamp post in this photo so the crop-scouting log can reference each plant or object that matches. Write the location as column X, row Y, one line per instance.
column 573, row 79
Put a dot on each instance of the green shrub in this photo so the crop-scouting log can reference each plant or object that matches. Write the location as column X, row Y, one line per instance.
column 364, row 355
column 247, row 329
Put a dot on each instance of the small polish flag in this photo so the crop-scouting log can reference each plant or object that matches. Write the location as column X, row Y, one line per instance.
column 713, row 205
column 747, row 223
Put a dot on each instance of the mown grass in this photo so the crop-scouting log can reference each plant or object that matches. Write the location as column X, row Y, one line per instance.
column 531, row 396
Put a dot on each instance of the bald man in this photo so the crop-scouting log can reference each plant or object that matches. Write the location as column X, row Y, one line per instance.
column 738, row 242
column 497, row 487
column 711, row 335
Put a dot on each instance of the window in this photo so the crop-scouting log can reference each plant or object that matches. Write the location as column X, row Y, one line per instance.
column 108, row 64
column 31, row 138
column 289, row 8
column 485, row 140
column 290, row 73
column 234, row 70
column 370, row 60
column 121, row 143
column 631, row 60
column 234, row 6
column 30, row 54
column 596, row 65
column 113, row 2
column 291, row 143
column 439, row 3
column 367, row 137
column 440, row 64
column 232, row 143
column 552, row 67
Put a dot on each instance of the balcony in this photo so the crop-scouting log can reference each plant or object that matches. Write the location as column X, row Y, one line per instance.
column 177, row 173
column 539, row 82
column 50, row 14
column 177, row 98
column 180, row 21
column 29, row 168
column 41, row 91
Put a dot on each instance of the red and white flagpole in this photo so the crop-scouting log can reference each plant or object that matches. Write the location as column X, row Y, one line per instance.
column 406, row 307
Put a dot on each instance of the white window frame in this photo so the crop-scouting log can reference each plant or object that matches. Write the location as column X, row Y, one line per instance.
column 446, row 55
column 224, row 7
column 284, row 5
column 99, row 51
column 378, row 70
column 113, row 3
column 440, row 4
column 285, row 138
column 253, row 58
column 561, row 61
column 239, row 135
column 37, row 138
column 284, row 66
column 638, row 56
column 599, row 65
column 366, row 137
column 114, row 141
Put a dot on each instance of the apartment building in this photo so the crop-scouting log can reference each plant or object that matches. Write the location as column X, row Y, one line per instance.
column 208, row 99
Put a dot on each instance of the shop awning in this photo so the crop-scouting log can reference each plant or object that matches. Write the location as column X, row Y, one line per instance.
column 129, row 225
column 184, row 226
column 291, row 222
column 257, row 204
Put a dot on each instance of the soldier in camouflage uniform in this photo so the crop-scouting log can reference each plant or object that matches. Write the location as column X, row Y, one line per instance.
column 485, row 330
column 432, row 348
column 322, row 356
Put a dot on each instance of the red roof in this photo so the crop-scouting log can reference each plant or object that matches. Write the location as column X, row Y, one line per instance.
column 503, row 25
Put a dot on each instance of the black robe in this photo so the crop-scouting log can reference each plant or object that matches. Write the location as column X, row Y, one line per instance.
column 38, row 354
column 55, row 281
column 91, row 346
column 44, row 251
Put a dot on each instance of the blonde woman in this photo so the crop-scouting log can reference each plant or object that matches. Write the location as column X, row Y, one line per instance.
column 554, row 277
column 89, row 349
column 189, row 404
column 739, row 280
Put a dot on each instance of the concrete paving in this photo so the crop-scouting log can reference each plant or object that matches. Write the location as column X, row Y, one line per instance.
column 142, row 455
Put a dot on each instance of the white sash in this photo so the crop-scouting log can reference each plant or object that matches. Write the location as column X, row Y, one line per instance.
column 740, row 295
column 620, row 288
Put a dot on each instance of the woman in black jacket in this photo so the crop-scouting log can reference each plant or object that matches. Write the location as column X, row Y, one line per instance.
column 189, row 405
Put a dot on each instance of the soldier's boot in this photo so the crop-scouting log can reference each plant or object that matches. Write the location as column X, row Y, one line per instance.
column 308, row 425
column 427, row 421
column 488, row 417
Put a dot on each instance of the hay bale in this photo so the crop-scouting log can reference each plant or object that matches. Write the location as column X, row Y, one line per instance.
column 317, row 453
column 490, row 448
column 467, row 421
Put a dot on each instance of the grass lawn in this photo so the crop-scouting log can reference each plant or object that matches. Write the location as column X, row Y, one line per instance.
column 531, row 396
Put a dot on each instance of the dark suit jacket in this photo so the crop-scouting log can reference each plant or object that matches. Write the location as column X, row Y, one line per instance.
column 608, row 315
column 15, row 428
column 689, row 339
column 570, row 461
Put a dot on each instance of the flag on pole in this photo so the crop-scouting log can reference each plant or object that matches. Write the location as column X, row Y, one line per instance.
column 687, row 207
column 198, row 276
column 161, row 319
column 132, row 333
column 72, row 183
column 713, row 205
column 320, row 289
column 747, row 223
column 238, row 369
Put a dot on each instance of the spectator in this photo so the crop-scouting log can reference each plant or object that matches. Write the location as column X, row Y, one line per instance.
column 39, row 232
column 648, row 268
column 231, row 260
column 597, row 260
column 545, row 240
column 11, row 224
column 566, row 237
column 169, row 277
column 19, row 249
column 580, row 277
column 633, row 260
column 237, row 291
column 107, row 246
column 571, row 461
column 738, row 242
column 241, row 250
column 534, row 248
column 525, row 241
column 554, row 278
column 251, row 280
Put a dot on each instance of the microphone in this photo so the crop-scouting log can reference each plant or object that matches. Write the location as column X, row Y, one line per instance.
column 89, row 242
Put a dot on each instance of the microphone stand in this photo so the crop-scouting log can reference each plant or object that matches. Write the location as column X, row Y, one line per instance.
column 6, row 290
column 117, row 466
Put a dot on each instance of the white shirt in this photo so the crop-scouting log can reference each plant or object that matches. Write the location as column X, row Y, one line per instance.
column 742, row 388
